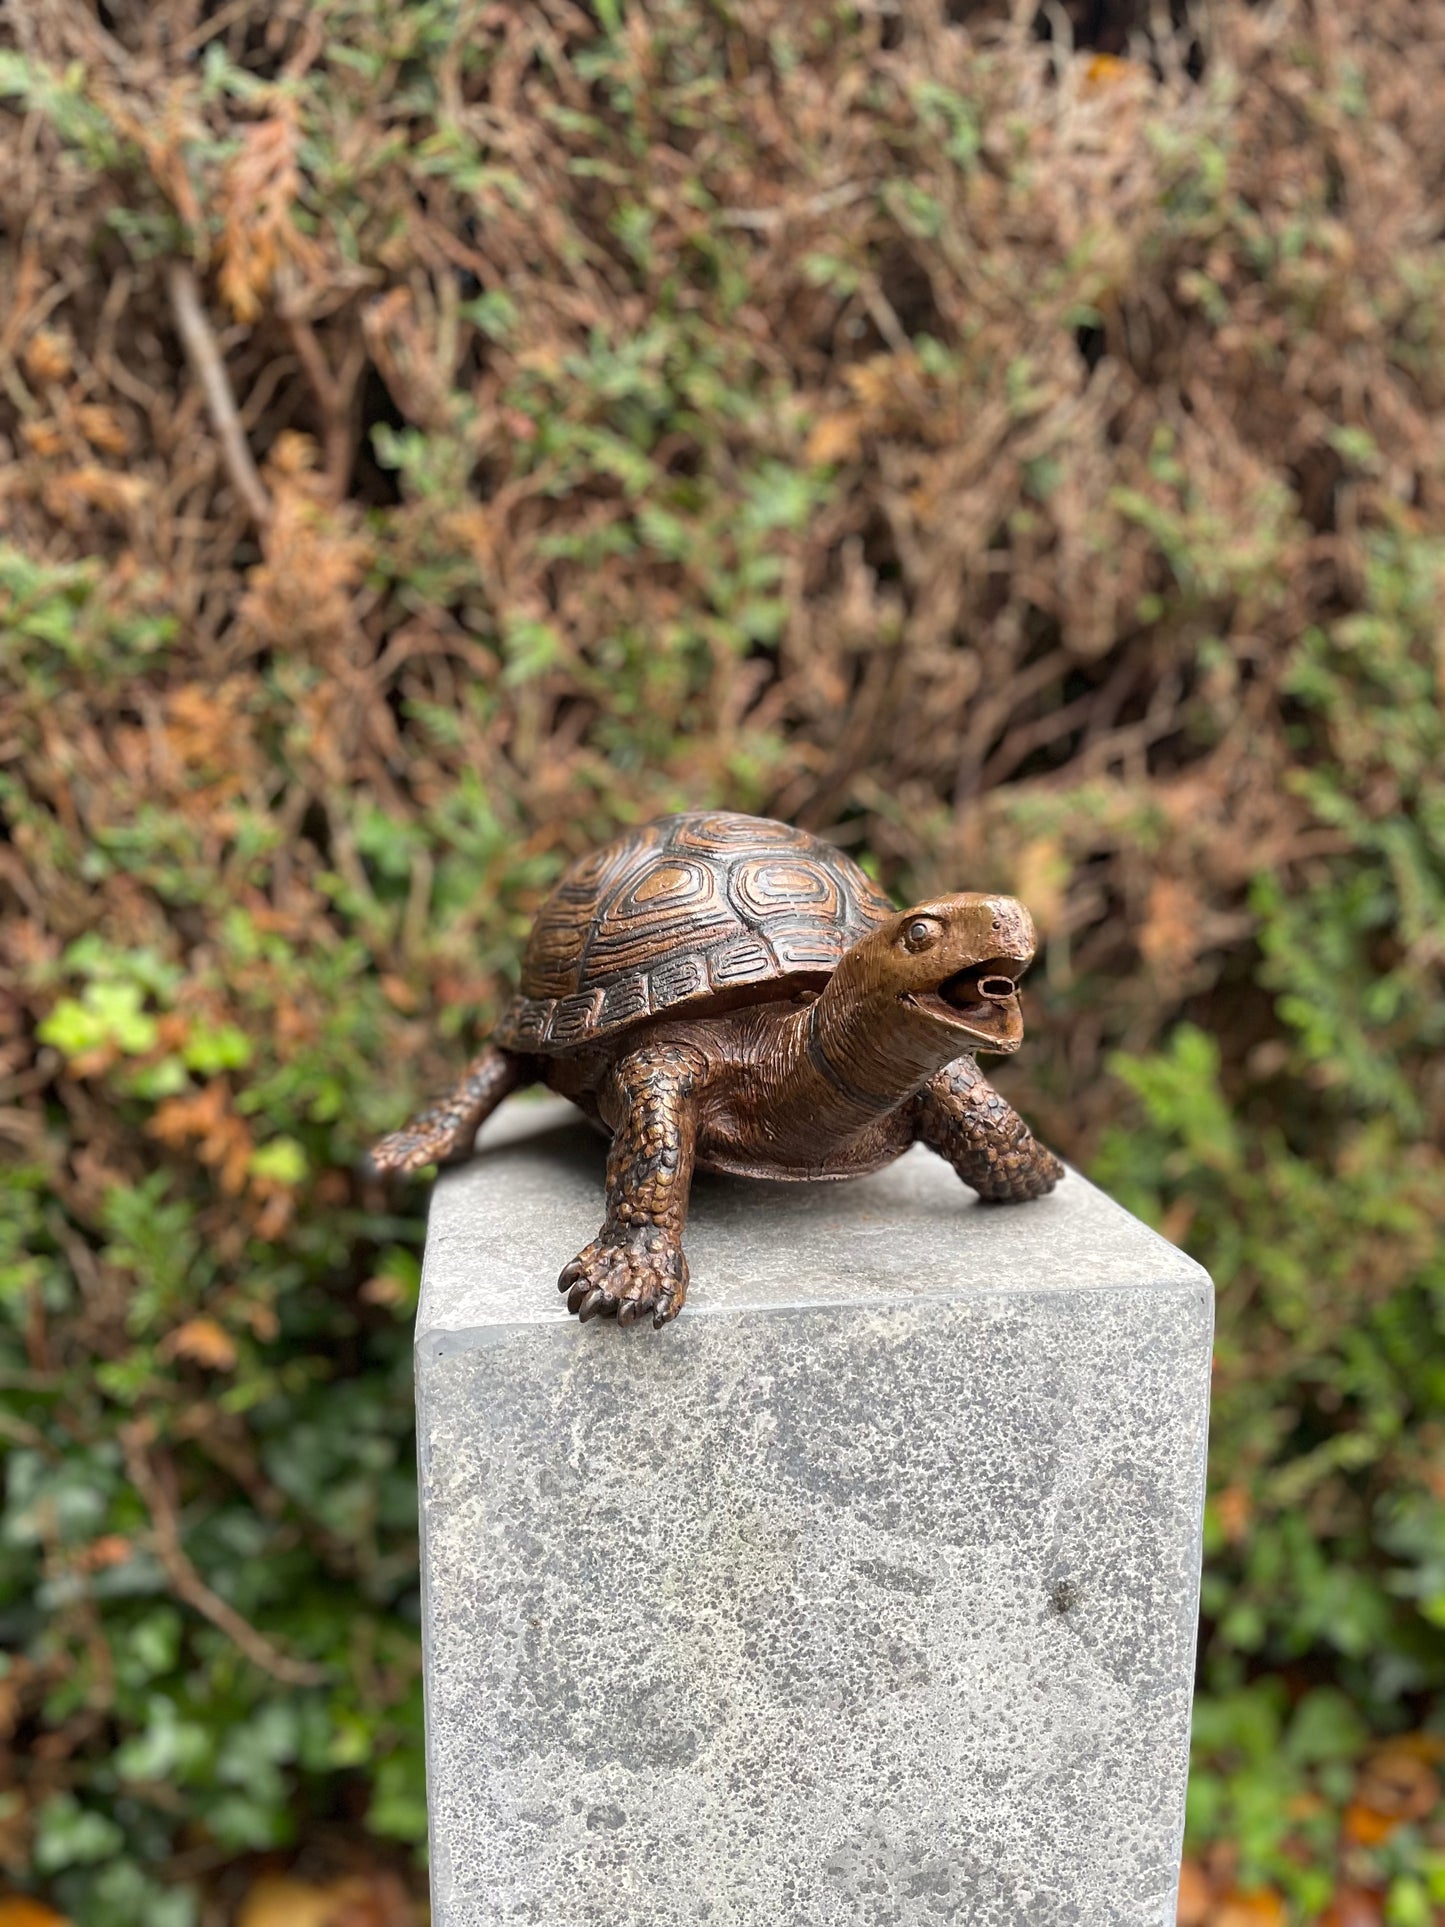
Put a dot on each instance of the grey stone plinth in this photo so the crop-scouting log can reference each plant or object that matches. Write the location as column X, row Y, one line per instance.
column 864, row 1594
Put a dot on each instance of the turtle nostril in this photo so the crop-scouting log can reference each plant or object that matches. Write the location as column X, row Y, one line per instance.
column 998, row 989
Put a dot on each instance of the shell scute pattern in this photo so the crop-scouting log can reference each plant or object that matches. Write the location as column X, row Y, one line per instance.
column 804, row 952
column 718, row 831
column 624, row 1002
column 776, row 886
column 679, row 980
column 680, row 914
column 674, row 902
column 746, row 962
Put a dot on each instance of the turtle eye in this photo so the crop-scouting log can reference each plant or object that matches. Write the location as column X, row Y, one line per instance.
column 920, row 933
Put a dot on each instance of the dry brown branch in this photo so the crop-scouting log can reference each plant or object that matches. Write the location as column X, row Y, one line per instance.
column 334, row 397
column 210, row 369
column 767, row 220
column 187, row 1583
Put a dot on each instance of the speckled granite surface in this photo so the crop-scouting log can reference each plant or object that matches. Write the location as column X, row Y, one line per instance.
column 865, row 1593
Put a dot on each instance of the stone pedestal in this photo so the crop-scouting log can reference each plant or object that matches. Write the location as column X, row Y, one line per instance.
column 862, row 1596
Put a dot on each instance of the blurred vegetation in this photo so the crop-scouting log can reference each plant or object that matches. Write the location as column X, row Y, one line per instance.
column 433, row 434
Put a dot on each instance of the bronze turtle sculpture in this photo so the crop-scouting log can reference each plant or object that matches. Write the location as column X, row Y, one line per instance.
column 727, row 993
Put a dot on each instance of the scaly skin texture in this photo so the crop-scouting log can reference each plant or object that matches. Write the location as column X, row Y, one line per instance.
column 635, row 1265
column 962, row 1117
column 443, row 1134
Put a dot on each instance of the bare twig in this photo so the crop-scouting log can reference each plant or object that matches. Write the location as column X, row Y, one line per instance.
column 763, row 220
column 334, row 395
column 884, row 318
column 205, row 358
column 187, row 1583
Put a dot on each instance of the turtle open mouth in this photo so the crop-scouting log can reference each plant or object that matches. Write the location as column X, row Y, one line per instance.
column 981, row 998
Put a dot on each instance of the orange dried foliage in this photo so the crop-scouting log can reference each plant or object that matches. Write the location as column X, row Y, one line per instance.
column 1397, row 1786
column 1354, row 1907
column 43, row 438
column 836, row 437
column 48, row 357
column 18, row 1910
column 1256, row 1908
column 278, row 1901
column 1196, row 1896
column 204, row 1342
column 375, row 1899
column 258, row 197
column 110, row 1550
column 72, row 496
column 209, row 736
column 1234, row 1509
column 383, row 1291
column 315, row 555
column 399, row 993
column 164, row 130
column 103, row 427
column 1174, row 926
column 203, row 1121
column 1107, row 70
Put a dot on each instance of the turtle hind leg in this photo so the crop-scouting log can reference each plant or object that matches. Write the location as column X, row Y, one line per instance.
column 962, row 1117
column 634, row 1268
column 443, row 1133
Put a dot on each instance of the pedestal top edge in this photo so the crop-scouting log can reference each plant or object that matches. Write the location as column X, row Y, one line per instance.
column 501, row 1227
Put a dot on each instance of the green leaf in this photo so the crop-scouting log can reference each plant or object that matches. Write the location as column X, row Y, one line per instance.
column 283, row 1160
column 68, row 1834
column 209, row 1052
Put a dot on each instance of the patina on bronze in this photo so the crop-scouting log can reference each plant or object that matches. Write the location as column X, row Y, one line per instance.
column 727, row 993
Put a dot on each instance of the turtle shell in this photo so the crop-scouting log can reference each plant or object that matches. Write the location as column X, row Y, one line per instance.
column 698, row 912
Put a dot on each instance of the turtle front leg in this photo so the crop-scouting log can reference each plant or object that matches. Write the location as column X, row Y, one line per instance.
column 962, row 1117
column 443, row 1133
column 635, row 1265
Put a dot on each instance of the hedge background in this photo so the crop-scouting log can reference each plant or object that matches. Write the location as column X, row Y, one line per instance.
column 436, row 432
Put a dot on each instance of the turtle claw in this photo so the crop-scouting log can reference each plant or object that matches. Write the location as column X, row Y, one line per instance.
column 411, row 1150
column 626, row 1281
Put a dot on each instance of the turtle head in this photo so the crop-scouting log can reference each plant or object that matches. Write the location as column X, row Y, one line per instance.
column 954, row 964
